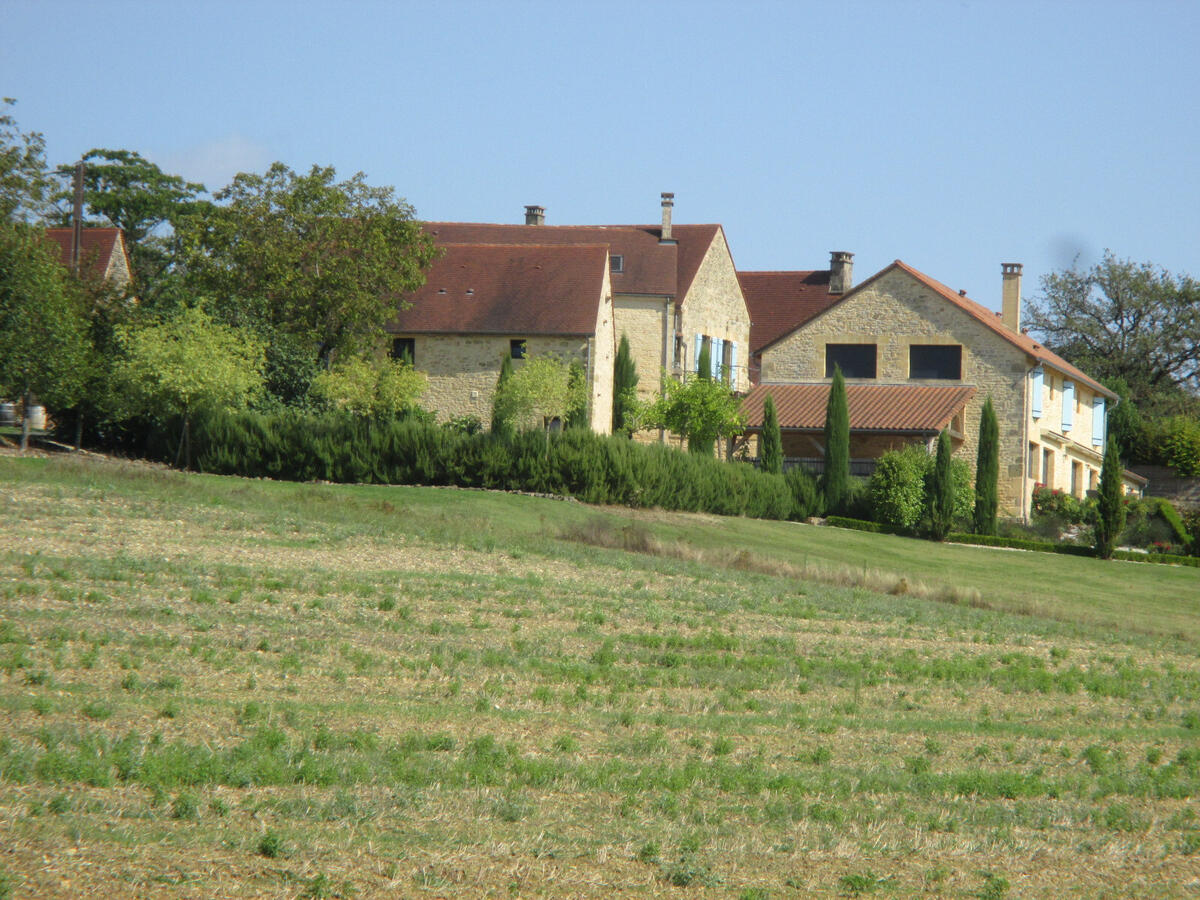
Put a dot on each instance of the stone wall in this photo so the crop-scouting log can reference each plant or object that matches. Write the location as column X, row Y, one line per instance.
column 463, row 370
column 714, row 305
column 646, row 322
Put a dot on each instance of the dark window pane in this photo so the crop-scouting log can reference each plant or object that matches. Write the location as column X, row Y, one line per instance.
column 405, row 349
column 517, row 348
column 935, row 361
column 855, row 360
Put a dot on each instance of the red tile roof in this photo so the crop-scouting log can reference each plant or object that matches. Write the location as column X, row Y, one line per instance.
column 649, row 267
column 873, row 407
column 96, row 252
column 782, row 301
column 509, row 289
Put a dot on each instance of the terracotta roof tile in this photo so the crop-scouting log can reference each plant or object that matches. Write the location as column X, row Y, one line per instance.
column 508, row 289
column 782, row 301
column 873, row 407
column 649, row 267
column 98, row 246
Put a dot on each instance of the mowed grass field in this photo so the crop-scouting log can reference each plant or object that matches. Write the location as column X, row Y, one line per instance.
column 221, row 687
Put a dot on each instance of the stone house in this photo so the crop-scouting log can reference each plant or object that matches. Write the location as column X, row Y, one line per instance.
column 482, row 302
column 102, row 253
column 918, row 357
column 674, row 288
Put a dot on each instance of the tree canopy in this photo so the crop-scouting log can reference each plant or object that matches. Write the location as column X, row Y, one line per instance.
column 24, row 180
column 699, row 408
column 1120, row 319
column 127, row 191
column 538, row 392
column 323, row 261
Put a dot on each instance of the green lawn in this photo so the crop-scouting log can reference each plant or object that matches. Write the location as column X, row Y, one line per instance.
column 224, row 687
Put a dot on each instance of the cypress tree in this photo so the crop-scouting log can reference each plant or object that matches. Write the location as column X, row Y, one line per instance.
column 987, row 471
column 501, row 420
column 704, row 361
column 1110, row 508
column 625, row 382
column 941, row 491
column 771, row 447
column 836, row 481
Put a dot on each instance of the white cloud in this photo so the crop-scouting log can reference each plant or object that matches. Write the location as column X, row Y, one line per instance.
column 215, row 162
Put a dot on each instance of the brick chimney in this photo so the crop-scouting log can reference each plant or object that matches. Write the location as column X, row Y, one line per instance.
column 535, row 215
column 841, row 271
column 1010, row 296
column 668, row 202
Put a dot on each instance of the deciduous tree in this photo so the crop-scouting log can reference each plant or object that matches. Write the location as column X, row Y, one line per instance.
column 183, row 364
column 1122, row 319
column 43, row 323
column 383, row 388
column 324, row 261
column 25, row 181
column 700, row 409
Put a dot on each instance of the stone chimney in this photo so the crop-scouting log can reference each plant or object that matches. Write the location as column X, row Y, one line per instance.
column 535, row 215
column 1010, row 296
column 668, row 202
column 841, row 271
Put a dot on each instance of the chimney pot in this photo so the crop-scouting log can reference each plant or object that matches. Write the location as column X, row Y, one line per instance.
column 535, row 215
column 668, row 202
column 1010, row 296
column 841, row 271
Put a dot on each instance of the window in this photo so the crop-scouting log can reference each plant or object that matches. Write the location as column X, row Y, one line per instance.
column 939, row 361
column 616, row 263
column 1037, row 390
column 855, row 360
column 516, row 348
column 405, row 349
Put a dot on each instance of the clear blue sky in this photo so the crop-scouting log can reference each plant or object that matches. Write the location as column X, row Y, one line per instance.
column 952, row 135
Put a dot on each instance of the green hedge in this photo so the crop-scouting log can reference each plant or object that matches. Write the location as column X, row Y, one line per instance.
column 300, row 446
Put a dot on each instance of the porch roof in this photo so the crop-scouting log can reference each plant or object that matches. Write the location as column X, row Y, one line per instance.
column 911, row 408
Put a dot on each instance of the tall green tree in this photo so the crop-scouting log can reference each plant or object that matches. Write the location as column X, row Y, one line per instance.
column 987, row 471
column 704, row 361
column 625, row 382
column 941, row 490
column 1110, row 505
column 540, row 392
column 323, row 261
column 185, row 364
column 700, row 409
column 771, row 447
column 502, row 423
column 835, row 483
column 43, row 324
column 124, row 190
column 25, row 181
column 1121, row 319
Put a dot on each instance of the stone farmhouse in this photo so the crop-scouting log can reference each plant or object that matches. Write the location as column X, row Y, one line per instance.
column 671, row 289
column 919, row 357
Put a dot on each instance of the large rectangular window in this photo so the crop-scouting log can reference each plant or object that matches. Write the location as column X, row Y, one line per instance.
column 940, row 361
column 855, row 360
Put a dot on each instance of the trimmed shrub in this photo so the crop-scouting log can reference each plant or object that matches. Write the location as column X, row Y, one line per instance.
column 897, row 488
column 805, row 493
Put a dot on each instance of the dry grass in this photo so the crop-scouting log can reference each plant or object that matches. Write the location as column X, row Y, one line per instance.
column 590, row 710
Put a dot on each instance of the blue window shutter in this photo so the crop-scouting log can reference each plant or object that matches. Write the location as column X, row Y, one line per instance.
column 1099, row 422
column 696, row 358
column 1036, row 391
column 715, row 358
column 1068, row 405
column 733, row 379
